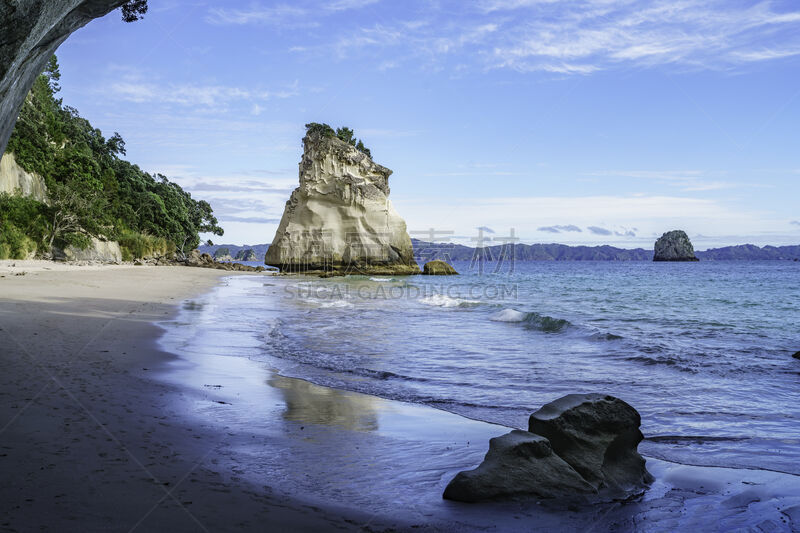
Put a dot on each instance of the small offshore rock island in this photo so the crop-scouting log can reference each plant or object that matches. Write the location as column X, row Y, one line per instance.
column 340, row 219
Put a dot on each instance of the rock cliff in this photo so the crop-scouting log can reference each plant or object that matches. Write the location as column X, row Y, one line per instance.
column 340, row 218
column 100, row 251
column 15, row 180
column 32, row 30
column 674, row 246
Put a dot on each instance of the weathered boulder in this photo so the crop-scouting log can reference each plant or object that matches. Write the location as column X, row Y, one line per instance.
column 438, row 268
column 674, row 246
column 32, row 30
column 102, row 251
column 340, row 218
column 518, row 464
column 16, row 180
column 598, row 436
column 579, row 447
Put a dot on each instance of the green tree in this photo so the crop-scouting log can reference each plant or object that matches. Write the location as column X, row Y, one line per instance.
column 134, row 10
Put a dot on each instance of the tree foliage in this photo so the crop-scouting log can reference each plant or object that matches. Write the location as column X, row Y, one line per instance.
column 92, row 190
column 134, row 10
column 344, row 133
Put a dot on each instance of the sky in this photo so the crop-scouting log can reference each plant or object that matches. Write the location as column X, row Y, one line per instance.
column 571, row 121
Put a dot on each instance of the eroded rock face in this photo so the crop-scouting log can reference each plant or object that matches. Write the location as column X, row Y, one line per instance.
column 101, row 251
column 518, row 463
column 598, row 436
column 31, row 32
column 15, row 180
column 438, row 268
column 579, row 447
column 674, row 246
column 340, row 218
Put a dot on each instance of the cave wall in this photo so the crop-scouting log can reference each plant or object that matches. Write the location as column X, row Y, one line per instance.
column 30, row 32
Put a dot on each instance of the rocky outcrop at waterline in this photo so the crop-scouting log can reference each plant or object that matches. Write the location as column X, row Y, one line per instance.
column 246, row 255
column 340, row 218
column 32, row 30
column 580, row 447
column 674, row 246
column 202, row 260
column 438, row 267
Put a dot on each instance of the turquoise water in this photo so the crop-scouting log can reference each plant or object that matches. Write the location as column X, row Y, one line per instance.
column 703, row 350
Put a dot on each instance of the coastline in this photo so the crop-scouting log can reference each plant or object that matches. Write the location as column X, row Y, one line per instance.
column 89, row 439
column 105, row 430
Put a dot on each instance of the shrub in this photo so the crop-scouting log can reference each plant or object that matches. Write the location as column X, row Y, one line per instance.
column 142, row 246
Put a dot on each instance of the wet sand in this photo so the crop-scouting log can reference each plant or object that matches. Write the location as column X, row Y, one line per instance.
column 101, row 429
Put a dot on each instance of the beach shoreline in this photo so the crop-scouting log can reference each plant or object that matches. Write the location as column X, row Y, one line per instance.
column 103, row 428
column 89, row 440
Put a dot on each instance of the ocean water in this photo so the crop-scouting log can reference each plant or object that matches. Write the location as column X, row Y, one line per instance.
column 702, row 350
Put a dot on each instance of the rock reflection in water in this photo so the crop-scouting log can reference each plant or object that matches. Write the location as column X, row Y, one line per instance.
column 306, row 402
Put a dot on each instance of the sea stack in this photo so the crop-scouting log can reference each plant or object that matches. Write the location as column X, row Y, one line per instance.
column 674, row 246
column 340, row 218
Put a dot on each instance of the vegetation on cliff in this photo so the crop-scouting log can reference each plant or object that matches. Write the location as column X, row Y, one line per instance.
column 344, row 133
column 92, row 190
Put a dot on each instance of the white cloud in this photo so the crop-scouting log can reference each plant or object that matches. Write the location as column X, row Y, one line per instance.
column 195, row 95
column 570, row 37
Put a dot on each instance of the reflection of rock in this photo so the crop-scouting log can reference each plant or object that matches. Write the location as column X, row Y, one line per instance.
column 306, row 402
column 518, row 463
column 674, row 246
column 32, row 30
column 579, row 446
column 438, row 268
column 340, row 218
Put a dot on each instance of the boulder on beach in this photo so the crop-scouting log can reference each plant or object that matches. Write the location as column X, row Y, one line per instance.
column 674, row 246
column 598, row 436
column 438, row 268
column 518, row 464
column 581, row 446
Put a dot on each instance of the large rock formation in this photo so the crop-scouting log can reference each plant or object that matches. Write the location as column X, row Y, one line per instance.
column 340, row 218
column 674, row 246
column 30, row 33
column 246, row 255
column 581, row 446
column 15, row 180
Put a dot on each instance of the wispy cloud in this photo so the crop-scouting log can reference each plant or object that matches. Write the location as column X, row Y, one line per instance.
column 283, row 14
column 599, row 231
column 579, row 37
column 686, row 180
column 559, row 229
column 795, row 222
column 194, row 95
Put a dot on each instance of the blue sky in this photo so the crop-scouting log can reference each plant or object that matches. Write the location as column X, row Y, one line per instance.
column 574, row 121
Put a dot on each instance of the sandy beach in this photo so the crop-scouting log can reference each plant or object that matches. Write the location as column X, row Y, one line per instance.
column 103, row 430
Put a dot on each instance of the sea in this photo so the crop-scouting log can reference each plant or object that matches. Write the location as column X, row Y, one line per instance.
column 703, row 351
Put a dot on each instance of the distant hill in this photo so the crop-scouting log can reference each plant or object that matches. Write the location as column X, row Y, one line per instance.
column 425, row 251
column 750, row 252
